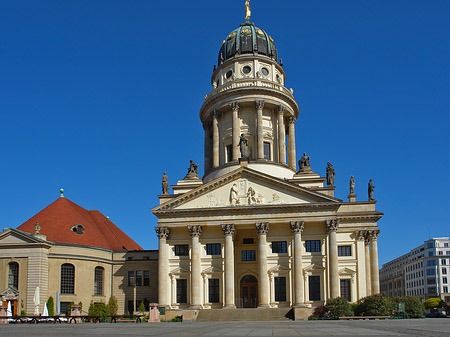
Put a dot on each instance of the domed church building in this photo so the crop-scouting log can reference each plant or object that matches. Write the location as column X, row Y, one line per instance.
column 256, row 230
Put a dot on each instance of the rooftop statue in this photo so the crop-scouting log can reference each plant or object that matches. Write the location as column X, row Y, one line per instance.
column 330, row 174
column 165, row 184
column 352, row 185
column 370, row 190
column 304, row 164
column 248, row 12
column 192, row 170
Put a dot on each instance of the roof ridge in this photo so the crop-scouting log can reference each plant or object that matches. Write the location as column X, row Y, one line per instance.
column 104, row 219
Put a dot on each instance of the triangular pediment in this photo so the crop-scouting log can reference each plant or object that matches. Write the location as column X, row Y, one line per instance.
column 9, row 294
column 312, row 267
column 346, row 271
column 14, row 236
column 242, row 188
column 278, row 268
column 212, row 270
column 178, row 271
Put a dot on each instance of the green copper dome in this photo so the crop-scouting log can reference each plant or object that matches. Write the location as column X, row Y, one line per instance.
column 247, row 39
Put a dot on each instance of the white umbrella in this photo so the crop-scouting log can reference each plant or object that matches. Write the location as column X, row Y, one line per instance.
column 45, row 311
column 37, row 301
column 8, row 310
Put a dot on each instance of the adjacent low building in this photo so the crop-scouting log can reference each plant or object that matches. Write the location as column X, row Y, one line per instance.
column 424, row 272
column 79, row 253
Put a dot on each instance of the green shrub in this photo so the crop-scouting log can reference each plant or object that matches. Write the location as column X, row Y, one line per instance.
column 98, row 309
column 23, row 313
column 113, row 306
column 318, row 312
column 413, row 307
column 338, row 307
column 141, row 307
column 375, row 305
column 433, row 303
column 51, row 306
column 177, row 319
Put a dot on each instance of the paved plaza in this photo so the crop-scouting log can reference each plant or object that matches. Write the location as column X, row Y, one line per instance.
column 417, row 327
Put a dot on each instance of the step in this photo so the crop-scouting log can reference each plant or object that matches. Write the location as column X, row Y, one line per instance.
column 246, row 315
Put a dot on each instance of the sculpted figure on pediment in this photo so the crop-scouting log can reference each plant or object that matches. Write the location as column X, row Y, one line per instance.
column 234, row 199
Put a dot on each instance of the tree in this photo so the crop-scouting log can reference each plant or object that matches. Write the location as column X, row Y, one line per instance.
column 434, row 303
column 141, row 307
column 375, row 305
column 338, row 307
column 113, row 306
column 98, row 309
column 413, row 307
column 51, row 306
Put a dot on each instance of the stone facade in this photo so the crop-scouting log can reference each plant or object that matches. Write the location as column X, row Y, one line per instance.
column 255, row 231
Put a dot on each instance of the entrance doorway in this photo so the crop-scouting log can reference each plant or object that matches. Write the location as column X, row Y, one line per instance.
column 249, row 291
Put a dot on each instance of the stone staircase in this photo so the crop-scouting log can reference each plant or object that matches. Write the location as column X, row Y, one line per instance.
column 247, row 315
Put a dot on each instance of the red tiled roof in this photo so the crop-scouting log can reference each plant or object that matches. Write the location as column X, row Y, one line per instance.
column 58, row 218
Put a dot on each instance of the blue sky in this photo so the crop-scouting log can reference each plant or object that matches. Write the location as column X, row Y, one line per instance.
column 101, row 97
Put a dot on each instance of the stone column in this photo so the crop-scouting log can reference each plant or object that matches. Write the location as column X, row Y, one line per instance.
column 207, row 128
column 259, row 129
column 163, row 266
column 281, row 135
column 367, row 263
column 215, row 136
column 262, row 228
column 374, row 272
column 297, row 229
column 360, row 237
column 292, row 158
column 228, row 231
column 196, row 277
column 236, row 130
column 332, row 227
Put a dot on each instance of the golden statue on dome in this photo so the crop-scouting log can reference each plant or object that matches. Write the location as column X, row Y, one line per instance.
column 248, row 12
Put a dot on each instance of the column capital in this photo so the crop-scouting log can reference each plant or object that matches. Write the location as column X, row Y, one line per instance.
column 228, row 229
column 281, row 109
column 195, row 230
column 373, row 235
column 214, row 114
column 360, row 235
column 259, row 104
column 332, row 225
column 291, row 119
column 234, row 106
column 297, row 226
column 262, row 228
column 162, row 232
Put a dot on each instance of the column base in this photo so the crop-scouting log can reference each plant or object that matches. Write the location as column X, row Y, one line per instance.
column 195, row 307
column 229, row 306
column 301, row 305
column 263, row 306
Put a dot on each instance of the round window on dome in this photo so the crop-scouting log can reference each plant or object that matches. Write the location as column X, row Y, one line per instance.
column 229, row 74
column 246, row 69
column 265, row 71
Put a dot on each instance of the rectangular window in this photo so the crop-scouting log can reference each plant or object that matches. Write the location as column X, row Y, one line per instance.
column 279, row 247
column 248, row 255
column 130, row 307
column 447, row 252
column 445, row 244
column 146, row 278
column 213, row 290
column 441, row 252
column 280, row 289
column 431, row 263
column 67, row 279
column 446, row 289
column 346, row 289
column 432, row 290
column 181, row 250
column 431, row 272
column 267, row 154
column 430, row 253
column 64, row 308
column 139, row 278
column 344, row 251
column 430, row 245
column 213, row 249
column 443, row 262
column 98, row 281
column 131, row 278
column 313, row 246
column 444, row 280
column 229, row 150
column 444, row 271
column 248, row 241
column 181, row 291
column 431, row 281
column 314, row 288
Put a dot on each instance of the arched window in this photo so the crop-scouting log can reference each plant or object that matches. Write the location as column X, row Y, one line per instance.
column 98, row 281
column 67, row 278
column 13, row 277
